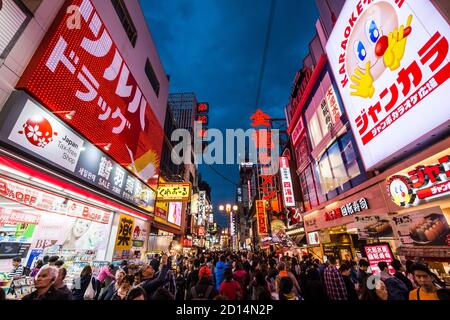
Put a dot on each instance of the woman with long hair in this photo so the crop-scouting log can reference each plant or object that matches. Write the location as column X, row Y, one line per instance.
column 82, row 282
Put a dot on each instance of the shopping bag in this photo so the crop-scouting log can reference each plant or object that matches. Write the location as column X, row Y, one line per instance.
column 89, row 294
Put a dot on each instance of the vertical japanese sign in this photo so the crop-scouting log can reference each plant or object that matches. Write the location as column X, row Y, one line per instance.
column 391, row 62
column 124, row 233
column 378, row 253
column 286, row 182
column 261, row 218
column 81, row 76
column 201, row 209
column 265, row 149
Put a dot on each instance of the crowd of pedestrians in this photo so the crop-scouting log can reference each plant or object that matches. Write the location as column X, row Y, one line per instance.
column 238, row 276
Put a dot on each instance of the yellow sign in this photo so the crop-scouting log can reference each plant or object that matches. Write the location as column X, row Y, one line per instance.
column 177, row 191
column 124, row 233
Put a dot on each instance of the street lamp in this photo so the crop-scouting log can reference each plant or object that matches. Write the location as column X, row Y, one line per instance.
column 230, row 209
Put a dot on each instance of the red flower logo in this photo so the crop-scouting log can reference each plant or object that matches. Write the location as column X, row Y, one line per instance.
column 38, row 131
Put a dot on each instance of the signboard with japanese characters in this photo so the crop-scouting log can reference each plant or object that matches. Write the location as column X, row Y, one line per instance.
column 201, row 204
column 377, row 253
column 372, row 226
column 174, row 191
column 298, row 131
column 313, row 238
column 261, row 218
column 347, row 209
column 426, row 227
column 124, row 233
column 392, row 67
column 424, row 182
column 81, row 76
column 286, row 182
column 27, row 126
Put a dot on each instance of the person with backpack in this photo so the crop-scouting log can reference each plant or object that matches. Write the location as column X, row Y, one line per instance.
column 397, row 290
column 203, row 290
column 17, row 270
column 231, row 288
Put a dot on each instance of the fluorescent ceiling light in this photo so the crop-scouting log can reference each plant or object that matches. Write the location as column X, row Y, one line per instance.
column 48, row 184
column 13, row 171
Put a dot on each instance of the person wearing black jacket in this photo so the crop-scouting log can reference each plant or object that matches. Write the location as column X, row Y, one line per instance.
column 398, row 267
column 153, row 282
column 345, row 270
column 312, row 289
column 82, row 283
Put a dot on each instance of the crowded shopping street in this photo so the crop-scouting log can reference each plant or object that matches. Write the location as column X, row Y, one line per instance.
column 248, row 152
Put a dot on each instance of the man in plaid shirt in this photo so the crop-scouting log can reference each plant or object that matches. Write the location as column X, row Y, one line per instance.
column 334, row 283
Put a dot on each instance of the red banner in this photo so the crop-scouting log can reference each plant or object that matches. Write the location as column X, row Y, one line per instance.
column 261, row 216
column 80, row 75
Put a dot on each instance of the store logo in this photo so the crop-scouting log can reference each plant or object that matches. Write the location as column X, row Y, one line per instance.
column 421, row 183
column 38, row 131
column 401, row 191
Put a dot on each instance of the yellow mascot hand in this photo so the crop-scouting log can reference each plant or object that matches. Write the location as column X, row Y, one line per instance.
column 396, row 46
column 363, row 83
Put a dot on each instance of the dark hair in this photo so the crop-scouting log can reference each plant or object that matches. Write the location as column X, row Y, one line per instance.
column 53, row 259
column 223, row 258
column 197, row 263
column 17, row 259
column 220, row 297
column 239, row 266
column 45, row 259
column 59, row 263
column 124, row 263
column 382, row 265
column 352, row 263
column 286, row 286
column 396, row 264
column 344, row 267
column 332, row 260
column 366, row 293
column 87, row 271
column 129, row 279
column 228, row 274
column 2, row 295
column 363, row 263
column 262, row 294
column 408, row 265
column 260, row 279
column 420, row 267
column 136, row 292
column 39, row 264
column 162, row 294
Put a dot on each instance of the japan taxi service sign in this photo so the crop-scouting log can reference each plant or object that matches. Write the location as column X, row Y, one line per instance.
column 80, row 75
column 392, row 68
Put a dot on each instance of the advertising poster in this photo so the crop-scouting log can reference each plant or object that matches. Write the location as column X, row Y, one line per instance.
column 426, row 227
column 57, row 232
column 373, row 226
column 313, row 238
column 124, row 233
column 174, row 215
column 140, row 232
column 391, row 63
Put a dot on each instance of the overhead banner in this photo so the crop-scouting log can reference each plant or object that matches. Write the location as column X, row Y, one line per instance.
column 82, row 77
column 261, row 216
column 391, row 63
column 28, row 126
column 174, row 191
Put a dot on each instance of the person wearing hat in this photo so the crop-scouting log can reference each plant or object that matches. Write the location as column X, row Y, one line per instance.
column 151, row 281
column 204, row 289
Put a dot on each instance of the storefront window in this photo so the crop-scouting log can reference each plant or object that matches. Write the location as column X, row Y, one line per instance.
column 311, row 188
column 349, row 156
column 314, row 130
column 326, row 175
column 337, row 166
column 305, row 193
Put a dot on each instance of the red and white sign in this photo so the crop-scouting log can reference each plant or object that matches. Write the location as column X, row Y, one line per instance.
column 159, row 212
column 79, row 210
column 43, row 135
column 378, row 253
column 81, row 75
column 261, row 217
column 8, row 216
column 423, row 182
column 392, row 68
column 297, row 132
column 286, row 181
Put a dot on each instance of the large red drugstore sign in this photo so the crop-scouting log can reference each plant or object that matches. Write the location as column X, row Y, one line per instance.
column 81, row 76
